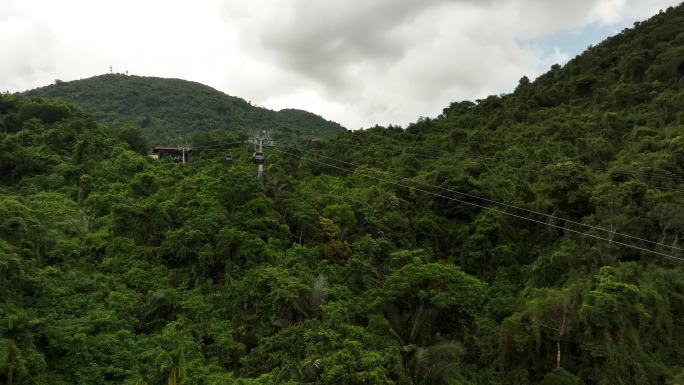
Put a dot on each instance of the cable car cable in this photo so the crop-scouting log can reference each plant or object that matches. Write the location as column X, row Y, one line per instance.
column 676, row 177
column 613, row 233
column 485, row 207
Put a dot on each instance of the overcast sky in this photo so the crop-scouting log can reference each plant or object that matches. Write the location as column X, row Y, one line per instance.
column 358, row 62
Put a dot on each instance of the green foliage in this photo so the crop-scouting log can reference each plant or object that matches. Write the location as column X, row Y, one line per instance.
column 560, row 376
column 119, row 269
column 134, row 137
column 168, row 111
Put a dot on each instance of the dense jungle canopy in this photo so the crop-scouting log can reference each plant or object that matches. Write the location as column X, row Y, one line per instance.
column 526, row 238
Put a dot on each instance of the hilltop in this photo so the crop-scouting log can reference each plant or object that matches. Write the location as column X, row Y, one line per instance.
column 170, row 111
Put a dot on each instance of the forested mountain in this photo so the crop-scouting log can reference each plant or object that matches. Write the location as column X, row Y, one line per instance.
column 169, row 111
column 529, row 238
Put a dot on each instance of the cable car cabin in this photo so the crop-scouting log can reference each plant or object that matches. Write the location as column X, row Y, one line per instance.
column 229, row 158
column 258, row 158
column 175, row 153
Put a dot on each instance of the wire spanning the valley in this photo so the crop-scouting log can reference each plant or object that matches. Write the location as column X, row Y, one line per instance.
column 611, row 232
column 609, row 240
column 221, row 147
column 675, row 178
column 218, row 146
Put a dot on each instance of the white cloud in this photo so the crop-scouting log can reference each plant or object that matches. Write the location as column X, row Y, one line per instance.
column 31, row 58
column 616, row 11
column 359, row 62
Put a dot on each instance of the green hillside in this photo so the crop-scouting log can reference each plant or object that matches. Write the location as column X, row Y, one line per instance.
column 170, row 111
column 533, row 238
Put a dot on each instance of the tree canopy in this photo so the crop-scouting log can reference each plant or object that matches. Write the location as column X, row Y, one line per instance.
column 171, row 111
column 528, row 238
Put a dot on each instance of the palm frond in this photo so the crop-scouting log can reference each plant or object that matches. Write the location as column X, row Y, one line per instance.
column 421, row 328
column 444, row 357
column 396, row 324
column 421, row 362
column 319, row 290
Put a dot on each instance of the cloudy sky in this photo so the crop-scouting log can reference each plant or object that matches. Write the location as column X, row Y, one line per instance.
column 358, row 62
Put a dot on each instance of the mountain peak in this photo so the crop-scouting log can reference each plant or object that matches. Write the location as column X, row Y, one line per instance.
column 171, row 110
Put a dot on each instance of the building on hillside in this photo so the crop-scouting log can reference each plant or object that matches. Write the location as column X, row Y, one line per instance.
column 177, row 154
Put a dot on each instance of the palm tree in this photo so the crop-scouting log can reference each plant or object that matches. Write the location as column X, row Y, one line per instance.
column 158, row 311
column 143, row 376
column 308, row 374
column 175, row 366
column 308, row 306
column 142, row 380
column 286, row 373
column 425, row 359
column 13, row 330
column 431, row 364
column 10, row 360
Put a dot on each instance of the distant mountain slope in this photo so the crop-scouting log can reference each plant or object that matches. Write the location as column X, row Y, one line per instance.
column 172, row 110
